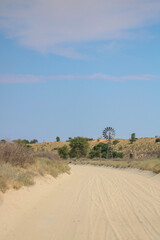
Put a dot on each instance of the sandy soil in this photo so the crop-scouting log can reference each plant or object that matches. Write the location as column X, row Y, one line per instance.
column 93, row 203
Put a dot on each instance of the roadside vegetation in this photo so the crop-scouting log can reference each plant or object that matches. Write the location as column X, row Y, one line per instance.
column 79, row 147
column 114, row 154
column 146, row 164
column 22, row 160
column 20, row 165
column 104, row 150
column 143, row 147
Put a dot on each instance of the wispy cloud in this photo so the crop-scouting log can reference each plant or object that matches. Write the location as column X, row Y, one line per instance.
column 13, row 78
column 19, row 78
column 53, row 25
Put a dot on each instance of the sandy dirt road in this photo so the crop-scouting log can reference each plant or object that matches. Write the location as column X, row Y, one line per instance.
column 92, row 203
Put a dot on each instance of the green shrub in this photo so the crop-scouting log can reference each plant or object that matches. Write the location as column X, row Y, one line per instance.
column 104, row 155
column 117, row 154
column 95, row 153
column 133, row 138
column 157, row 140
column 100, row 150
column 79, row 147
column 158, row 156
column 21, row 141
column 63, row 152
column 115, row 142
column 89, row 139
column 57, row 139
column 103, row 150
column 33, row 141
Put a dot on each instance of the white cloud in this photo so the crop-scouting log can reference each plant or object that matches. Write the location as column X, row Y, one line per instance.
column 18, row 78
column 49, row 25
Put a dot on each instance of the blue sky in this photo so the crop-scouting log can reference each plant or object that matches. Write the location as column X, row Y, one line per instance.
column 70, row 69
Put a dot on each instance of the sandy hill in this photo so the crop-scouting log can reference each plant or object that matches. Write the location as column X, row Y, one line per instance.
column 143, row 147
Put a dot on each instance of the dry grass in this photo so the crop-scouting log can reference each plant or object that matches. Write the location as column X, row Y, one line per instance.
column 19, row 166
column 49, row 163
column 147, row 164
column 48, row 146
column 14, row 177
column 15, row 154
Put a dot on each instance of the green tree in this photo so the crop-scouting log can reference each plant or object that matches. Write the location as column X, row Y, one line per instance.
column 33, row 141
column 95, row 153
column 103, row 150
column 63, row 152
column 133, row 138
column 79, row 147
column 21, row 141
column 58, row 139
column 100, row 150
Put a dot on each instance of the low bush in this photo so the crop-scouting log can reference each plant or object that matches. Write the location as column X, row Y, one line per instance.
column 63, row 152
column 15, row 154
column 79, row 147
column 16, row 177
column 117, row 154
column 95, row 154
column 50, row 166
column 158, row 156
column 157, row 140
column 103, row 150
column 21, row 141
column 18, row 168
column 115, row 142
column 33, row 141
column 120, row 148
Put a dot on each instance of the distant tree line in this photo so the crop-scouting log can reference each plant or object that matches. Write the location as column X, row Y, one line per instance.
column 22, row 141
column 25, row 141
column 103, row 150
column 79, row 148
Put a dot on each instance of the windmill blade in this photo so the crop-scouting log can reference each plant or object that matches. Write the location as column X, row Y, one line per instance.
column 108, row 133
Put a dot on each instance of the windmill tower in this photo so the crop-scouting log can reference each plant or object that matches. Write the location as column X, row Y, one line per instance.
column 109, row 134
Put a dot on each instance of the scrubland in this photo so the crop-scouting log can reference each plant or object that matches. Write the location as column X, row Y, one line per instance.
column 146, row 151
column 91, row 203
column 143, row 147
column 19, row 165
